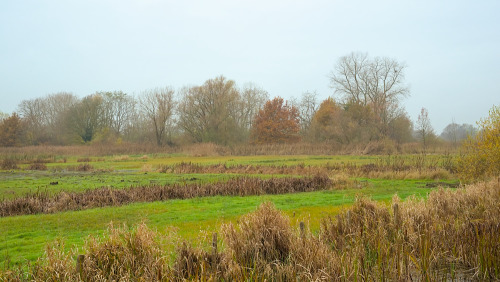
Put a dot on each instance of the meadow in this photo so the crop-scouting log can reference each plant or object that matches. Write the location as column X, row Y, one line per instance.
column 191, row 219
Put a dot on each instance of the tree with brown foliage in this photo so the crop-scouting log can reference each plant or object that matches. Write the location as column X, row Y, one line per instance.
column 276, row 122
column 11, row 130
column 328, row 122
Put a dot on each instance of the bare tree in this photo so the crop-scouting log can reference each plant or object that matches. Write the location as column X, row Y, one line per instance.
column 119, row 109
column 455, row 133
column 307, row 107
column 157, row 105
column 46, row 117
column 252, row 99
column 58, row 107
column 378, row 83
column 425, row 132
column 34, row 114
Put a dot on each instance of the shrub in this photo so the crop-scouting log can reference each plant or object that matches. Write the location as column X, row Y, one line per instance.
column 84, row 167
column 125, row 255
column 480, row 157
column 9, row 163
column 262, row 237
column 38, row 165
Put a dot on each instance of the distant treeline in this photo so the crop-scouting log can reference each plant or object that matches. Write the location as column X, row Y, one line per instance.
column 365, row 107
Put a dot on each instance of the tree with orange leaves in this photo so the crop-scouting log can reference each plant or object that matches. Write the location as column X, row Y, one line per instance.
column 11, row 129
column 276, row 122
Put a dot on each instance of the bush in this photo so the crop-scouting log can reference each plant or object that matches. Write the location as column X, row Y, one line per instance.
column 9, row 164
column 38, row 165
column 384, row 146
column 263, row 237
column 84, row 167
column 480, row 157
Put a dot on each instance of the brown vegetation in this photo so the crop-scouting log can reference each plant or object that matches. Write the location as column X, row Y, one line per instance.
column 389, row 167
column 9, row 163
column 451, row 236
column 276, row 122
column 38, row 165
column 95, row 150
column 44, row 202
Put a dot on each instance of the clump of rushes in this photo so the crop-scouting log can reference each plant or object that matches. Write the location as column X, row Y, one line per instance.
column 451, row 236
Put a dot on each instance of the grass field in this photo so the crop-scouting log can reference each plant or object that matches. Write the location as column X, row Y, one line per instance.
column 23, row 237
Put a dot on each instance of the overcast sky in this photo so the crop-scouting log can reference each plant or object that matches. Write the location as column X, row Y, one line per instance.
column 451, row 48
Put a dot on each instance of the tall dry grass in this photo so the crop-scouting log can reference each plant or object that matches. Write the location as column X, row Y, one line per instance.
column 387, row 167
column 29, row 153
column 381, row 147
column 451, row 236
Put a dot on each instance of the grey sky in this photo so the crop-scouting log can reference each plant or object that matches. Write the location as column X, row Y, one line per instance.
column 452, row 48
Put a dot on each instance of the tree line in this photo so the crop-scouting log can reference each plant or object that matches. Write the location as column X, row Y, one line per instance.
column 365, row 106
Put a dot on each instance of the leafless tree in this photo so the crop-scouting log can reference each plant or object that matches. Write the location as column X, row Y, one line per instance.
column 58, row 109
column 252, row 99
column 45, row 117
column 307, row 107
column 425, row 132
column 119, row 109
column 455, row 133
column 378, row 83
column 34, row 113
column 157, row 105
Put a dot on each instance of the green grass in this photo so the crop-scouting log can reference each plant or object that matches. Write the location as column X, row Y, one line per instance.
column 125, row 171
column 24, row 237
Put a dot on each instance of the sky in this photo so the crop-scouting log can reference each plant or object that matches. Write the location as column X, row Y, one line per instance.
column 451, row 48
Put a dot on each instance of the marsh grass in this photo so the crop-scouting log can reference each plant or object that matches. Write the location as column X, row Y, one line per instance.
column 451, row 236
column 385, row 167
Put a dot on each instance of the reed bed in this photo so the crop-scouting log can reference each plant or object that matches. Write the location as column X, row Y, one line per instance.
column 386, row 167
column 45, row 202
column 28, row 153
column 453, row 236
column 189, row 167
